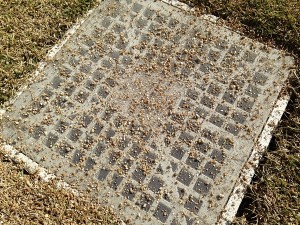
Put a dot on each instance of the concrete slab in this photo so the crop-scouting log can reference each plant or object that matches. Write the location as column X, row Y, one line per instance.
column 151, row 110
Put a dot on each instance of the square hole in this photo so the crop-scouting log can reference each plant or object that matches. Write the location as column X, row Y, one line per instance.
column 69, row 89
column 77, row 157
column 193, row 162
column 179, row 118
column 150, row 158
column 94, row 57
column 108, row 113
column 226, row 143
column 89, row 42
column 46, row 94
column 222, row 109
column 145, row 202
column 221, row 44
column 61, row 126
column 60, row 102
column 202, row 187
column 175, row 222
column 193, row 204
column 208, row 101
column 208, row 134
column 218, row 155
column 216, row 120
column 51, row 140
column 249, row 56
column 189, row 44
column 237, row 84
column 81, row 96
column 137, row 7
column 214, row 55
column 97, row 128
column 119, row 121
column 110, row 82
column 85, row 68
column 162, row 212
column 123, row 143
column 170, row 129
column 239, row 117
column 260, row 78
column 185, row 71
column 155, row 184
column 185, row 104
column 141, row 23
column 118, row 28
column 185, row 177
column 87, row 142
column 64, row 148
column 116, row 181
column 202, row 146
column 192, row 94
column 106, row 22
column 97, row 75
column 103, row 173
column 90, row 85
column 211, row 170
column 99, row 149
column 232, row 128
column 200, row 112
column 194, row 125
column 139, row 175
column 135, row 150
column 126, row 164
column 38, row 131
column 106, row 63
column 129, row 191
column 74, row 134
column 246, row 104
column 89, row 164
column 230, row 96
column 56, row 82
column 173, row 23
column 186, row 137
column 205, row 68
column 235, row 50
column 253, row 91
column 86, row 120
column 177, row 152
column 160, row 18
column 113, row 157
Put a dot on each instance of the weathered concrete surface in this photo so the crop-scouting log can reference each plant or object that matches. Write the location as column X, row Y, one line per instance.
column 151, row 110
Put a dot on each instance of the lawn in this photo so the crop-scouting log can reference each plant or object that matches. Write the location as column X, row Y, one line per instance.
column 28, row 29
column 26, row 200
column 273, row 197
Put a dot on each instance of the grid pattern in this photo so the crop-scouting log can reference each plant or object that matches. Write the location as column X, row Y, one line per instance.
column 158, row 109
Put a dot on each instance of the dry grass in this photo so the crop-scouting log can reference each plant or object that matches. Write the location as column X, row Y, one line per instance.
column 27, row 30
column 274, row 21
column 273, row 197
column 275, row 193
column 26, row 200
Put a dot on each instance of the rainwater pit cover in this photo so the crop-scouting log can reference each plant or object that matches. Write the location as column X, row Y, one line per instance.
column 151, row 110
